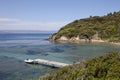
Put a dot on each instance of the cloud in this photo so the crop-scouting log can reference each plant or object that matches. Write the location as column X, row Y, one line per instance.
column 16, row 24
column 8, row 20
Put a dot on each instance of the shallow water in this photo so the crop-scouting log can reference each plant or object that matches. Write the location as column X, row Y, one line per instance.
column 14, row 48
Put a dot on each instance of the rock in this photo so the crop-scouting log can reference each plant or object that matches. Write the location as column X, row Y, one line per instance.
column 63, row 38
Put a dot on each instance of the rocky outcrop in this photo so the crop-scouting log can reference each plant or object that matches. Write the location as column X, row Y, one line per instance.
column 52, row 38
column 63, row 38
column 94, row 38
column 75, row 38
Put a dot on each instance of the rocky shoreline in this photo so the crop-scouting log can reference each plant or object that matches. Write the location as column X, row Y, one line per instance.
column 64, row 39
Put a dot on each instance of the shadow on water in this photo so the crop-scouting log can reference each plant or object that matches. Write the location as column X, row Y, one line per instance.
column 32, row 52
column 39, row 66
column 56, row 49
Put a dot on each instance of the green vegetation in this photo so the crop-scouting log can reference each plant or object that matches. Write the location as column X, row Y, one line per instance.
column 107, row 27
column 105, row 67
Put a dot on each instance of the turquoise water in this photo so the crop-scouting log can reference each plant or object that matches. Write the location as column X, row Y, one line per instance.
column 14, row 48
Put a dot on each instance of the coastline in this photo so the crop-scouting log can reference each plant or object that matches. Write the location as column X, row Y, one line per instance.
column 113, row 43
column 84, row 40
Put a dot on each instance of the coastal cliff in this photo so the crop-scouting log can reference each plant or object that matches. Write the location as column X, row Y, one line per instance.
column 96, row 28
column 94, row 38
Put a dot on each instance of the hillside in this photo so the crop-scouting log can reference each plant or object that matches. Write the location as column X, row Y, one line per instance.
column 97, row 27
column 105, row 67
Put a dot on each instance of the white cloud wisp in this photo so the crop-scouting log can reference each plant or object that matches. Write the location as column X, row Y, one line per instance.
column 15, row 24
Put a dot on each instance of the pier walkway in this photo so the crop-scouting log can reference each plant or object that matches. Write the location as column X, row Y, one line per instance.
column 49, row 63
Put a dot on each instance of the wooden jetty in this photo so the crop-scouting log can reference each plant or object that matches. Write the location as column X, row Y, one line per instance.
column 46, row 63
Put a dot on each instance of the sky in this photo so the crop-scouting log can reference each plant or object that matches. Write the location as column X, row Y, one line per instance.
column 50, row 15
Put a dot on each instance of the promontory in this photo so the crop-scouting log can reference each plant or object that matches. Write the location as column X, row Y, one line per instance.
column 94, row 28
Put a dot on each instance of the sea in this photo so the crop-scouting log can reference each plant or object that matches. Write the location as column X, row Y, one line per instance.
column 16, row 46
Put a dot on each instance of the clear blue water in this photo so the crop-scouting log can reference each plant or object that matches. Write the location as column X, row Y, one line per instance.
column 15, row 47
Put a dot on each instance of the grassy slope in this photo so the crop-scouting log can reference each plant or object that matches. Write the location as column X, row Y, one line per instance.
column 105, row 67
column 107, row 27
